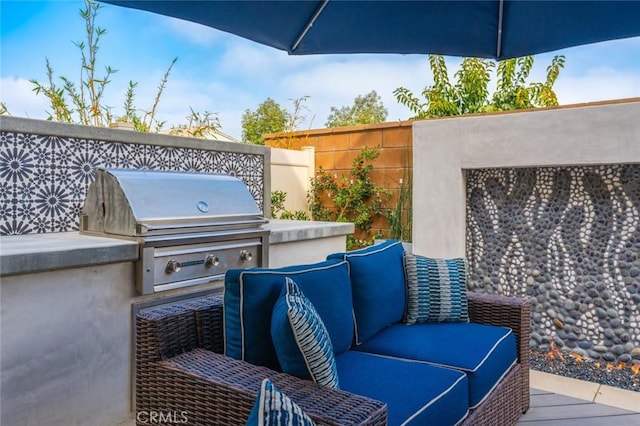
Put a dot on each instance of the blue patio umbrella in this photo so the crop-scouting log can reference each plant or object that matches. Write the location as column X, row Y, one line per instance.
column 498, row 29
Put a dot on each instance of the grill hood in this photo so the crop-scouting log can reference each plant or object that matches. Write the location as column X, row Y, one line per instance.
column 148, row 202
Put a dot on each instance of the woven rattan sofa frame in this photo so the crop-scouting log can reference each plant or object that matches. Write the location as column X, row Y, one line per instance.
column 181, row 372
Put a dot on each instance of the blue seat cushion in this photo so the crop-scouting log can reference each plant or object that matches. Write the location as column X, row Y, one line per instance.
column 249, row 297
column 415, row 393
column 377, row 280
column 484, row 352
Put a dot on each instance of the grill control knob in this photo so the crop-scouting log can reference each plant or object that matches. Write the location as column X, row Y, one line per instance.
column 211, row 260
column 173, row 266
column 246, row 256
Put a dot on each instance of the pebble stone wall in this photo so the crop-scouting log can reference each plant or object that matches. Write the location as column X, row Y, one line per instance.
column 568, row 237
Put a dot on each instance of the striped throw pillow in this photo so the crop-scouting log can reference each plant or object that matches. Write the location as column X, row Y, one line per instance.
column 274, row 408
column 301, row 339
column 436, row 289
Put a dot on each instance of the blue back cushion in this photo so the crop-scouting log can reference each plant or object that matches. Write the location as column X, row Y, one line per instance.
column 250, row 294
column 377, row 280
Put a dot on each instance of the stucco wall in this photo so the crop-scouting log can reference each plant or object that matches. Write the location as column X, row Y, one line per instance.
column 66, row 346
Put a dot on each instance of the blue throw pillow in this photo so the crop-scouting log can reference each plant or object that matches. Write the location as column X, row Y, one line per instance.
column 249, row 297
column 436, row 289
column 377, row 279
column 274, row 408
column 301, row 340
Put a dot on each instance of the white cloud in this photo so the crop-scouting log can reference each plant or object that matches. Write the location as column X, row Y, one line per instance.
column 598, row 84
column 194, row 33
column 21, row 100
column 243, row 58
column 601, row 71
column 251, row 73
column 338, row 83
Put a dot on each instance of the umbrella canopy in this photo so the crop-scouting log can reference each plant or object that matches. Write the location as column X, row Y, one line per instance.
column 498, row 29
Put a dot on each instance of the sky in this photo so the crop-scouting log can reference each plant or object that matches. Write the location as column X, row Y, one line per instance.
column 225, row 74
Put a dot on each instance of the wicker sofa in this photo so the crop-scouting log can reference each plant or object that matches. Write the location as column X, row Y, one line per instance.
column 180, row 368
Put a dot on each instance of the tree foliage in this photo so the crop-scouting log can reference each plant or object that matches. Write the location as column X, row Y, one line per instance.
column 470, row 92
column 269, row 117
column 279, row 211
column 366, row 109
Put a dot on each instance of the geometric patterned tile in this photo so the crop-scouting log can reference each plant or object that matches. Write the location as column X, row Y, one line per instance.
column 44, row 179
column 152, row 158
column 207, row 160
column 229, row 164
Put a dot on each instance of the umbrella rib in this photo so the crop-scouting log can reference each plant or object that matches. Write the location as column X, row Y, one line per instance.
column 308, row 26
column 500, row 13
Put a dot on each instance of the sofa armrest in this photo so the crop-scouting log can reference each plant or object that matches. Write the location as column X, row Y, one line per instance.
column 512, row 312
column 210, row 388
column 505, row 311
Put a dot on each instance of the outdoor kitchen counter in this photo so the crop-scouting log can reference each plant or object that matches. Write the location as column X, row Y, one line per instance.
column 283, row 231
column 23, row 254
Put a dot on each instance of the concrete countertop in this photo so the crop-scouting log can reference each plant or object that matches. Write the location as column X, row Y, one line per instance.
column 22, row 254
column 283, row 231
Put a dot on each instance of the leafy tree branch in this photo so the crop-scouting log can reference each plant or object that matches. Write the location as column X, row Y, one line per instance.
column 470, row 92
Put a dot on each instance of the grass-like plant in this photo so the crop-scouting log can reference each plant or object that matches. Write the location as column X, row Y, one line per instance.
column 400, row 217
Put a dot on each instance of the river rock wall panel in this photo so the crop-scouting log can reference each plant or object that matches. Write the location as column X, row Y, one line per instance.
column 569, row 238
column 44, row 179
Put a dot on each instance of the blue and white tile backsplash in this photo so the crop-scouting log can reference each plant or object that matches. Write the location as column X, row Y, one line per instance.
column 44, row 179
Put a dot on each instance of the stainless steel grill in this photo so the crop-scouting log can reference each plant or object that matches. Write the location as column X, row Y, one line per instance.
column 191, row 227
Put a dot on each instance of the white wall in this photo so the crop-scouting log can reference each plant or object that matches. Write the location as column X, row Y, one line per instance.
column 444, row 148
column 291, row 172
column 305, row 252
